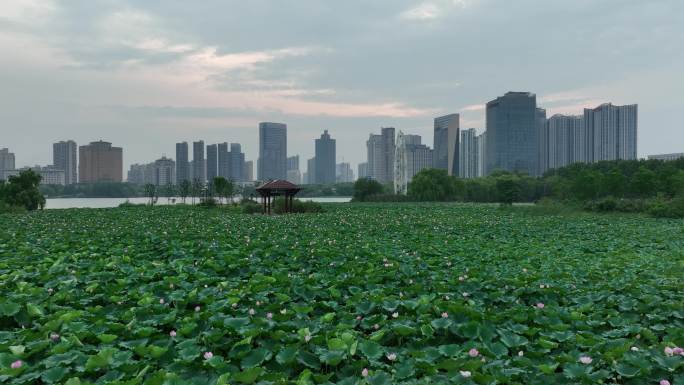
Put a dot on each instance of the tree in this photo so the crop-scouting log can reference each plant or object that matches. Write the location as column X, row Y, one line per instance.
column 643, row 182
column 22, row 191
column 614, row 183
column 169, row 192
column 184, row 189
column 197, row 187
column 434, row 185
column 151, row 193
column 220, row 184
column 586, row 185
column 508, row 190
column 366, row 187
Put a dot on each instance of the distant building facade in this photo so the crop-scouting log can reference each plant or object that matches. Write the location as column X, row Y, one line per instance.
column 100, row 162
column 182, row 162
column 293, row 173
column 381, row 155
column 310, row 171
column 248, row 171
column 611, row 132
column 161, row 172
column 7, row 160
column 199, row 170
column 212, row 162
column 272, row 162
column 468, row 154
column 344, row 173
column 512, row 133
column 363, row 170
column 446, row 143
column 325, row 159
column 481, row 143
column 65, row 157
column 418, row 156
column 667, row 157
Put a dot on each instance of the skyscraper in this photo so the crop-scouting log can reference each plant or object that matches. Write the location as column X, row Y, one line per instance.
column 611, row 132
column 468, row 154
column 64, row 158
column 512, row 133
column 344, row 173
column 363, row 170
column 199, row 171
column 212, row 162
column 561, row 134
column 182, row 164
column 481, row 141
column 381, row 155
column 248, row 171
column 542, row 141
column 7, row 160
column 293, row 173
column 164, row 171
column 311, row 171
column 325, row 158
column 236, row 163
column 99, row 161
column 446, row 147
column 223, row 160
column 272, row 162
column 418, row 156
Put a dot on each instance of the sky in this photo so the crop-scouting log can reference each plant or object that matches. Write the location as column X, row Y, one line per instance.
column 147, row 74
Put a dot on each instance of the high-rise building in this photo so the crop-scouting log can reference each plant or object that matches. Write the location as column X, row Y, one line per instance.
column 418, row 156
column 136, row 174
column 164, row 171
column 248, row 171
column 481, row 141
column 468, row 156
column 182, row 163
column 611, row 132
column 446, row 146
column 223, row 155
column 64, row 157
column 381, row 155
column 236, row 163
column 542, row 141
column 199, row 171
column 325, row 159
column 363, row 170
column 272, row 162
column 310, row 171
column 212, row 162
column 99, row 161
column 7, row 160
column 293, row 173
column 667, row 157
column 512, row 133
column 561, row 134
column 344, row 173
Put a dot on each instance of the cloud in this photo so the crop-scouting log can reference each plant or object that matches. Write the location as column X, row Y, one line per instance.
column 425, row 11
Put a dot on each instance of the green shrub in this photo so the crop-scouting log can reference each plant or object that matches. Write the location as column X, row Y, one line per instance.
column 7, row 209
column 208, row 203
column 387, row 198
column 298, row 206
column 251, row 207
column 673, row 208
column 610, row 204
column 128, row 204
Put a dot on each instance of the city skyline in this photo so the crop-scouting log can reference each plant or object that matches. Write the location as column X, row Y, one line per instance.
column 146, row 75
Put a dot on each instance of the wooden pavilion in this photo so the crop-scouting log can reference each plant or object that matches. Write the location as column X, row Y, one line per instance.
column 279, row 187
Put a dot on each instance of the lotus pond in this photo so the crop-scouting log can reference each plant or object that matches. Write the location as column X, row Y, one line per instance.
column 361, row 294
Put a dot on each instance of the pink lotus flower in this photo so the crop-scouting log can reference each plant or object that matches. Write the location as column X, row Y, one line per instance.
column 172, row 333
column 359, row 318
column 540, row 305
column 465, row 373
column 269, row 315
column 445, row 315
column 208, row 355
column 473, row 352
column 664, row 382
column 16, row 364
column 669, row 351
column 54, row 337
column 586, row 360
column 461, row 278
column 392, row 357
column 234, row 305
column 678, row 351
column 364, row 372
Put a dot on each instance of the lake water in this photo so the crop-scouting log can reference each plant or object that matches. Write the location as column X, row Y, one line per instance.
column 98, row 203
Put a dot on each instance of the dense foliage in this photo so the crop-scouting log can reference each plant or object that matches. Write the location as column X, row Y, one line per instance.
column 21, row 191
column 361, row 294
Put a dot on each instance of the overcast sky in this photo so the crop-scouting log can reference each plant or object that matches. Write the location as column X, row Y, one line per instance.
column 146, row 74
